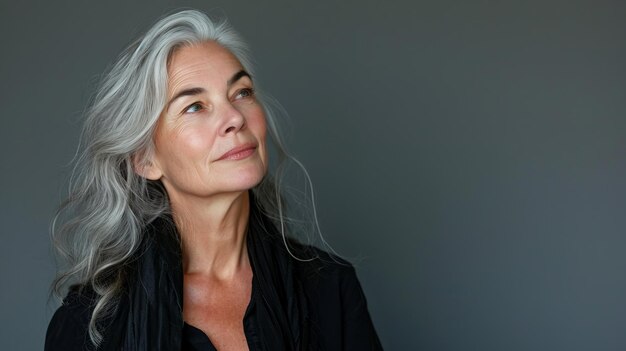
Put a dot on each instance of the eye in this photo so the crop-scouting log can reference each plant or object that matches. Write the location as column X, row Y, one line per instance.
column 195, row 107
column 244, row 93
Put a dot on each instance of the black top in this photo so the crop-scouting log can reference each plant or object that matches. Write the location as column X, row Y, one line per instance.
column 294, row 305
column 338, row 310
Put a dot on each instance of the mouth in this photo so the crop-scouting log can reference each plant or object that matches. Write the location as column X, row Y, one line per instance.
column 239, row 152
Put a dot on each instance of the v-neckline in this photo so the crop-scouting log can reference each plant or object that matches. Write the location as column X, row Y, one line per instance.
column 200, row 341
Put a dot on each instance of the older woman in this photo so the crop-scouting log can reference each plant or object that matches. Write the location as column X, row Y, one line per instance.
column 170, row 236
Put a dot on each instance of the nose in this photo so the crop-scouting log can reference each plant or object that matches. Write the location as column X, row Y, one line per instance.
column 233, row 120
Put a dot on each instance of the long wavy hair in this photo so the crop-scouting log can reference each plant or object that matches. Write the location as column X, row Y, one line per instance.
column 100, row 226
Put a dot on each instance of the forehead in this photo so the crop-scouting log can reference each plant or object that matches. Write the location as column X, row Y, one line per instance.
column 202, row 61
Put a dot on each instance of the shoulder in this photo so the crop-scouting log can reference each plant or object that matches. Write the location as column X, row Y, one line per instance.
column 328, row 277
column 311, row 262
column 68, row 328
column 337, row 303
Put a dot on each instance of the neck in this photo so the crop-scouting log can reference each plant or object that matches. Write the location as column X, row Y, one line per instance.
column 213, row 234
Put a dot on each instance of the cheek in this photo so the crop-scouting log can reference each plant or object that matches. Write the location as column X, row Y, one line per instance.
column 259, row 127
column 257, row 124
column 194, row 143
column 185, row 144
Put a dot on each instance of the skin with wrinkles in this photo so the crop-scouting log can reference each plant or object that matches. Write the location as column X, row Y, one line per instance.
column 208, row 192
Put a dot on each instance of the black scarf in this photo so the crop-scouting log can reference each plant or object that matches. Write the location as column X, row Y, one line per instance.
column 149, row 315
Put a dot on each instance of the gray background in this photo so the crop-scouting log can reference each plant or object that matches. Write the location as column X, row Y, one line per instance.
column 469, row 155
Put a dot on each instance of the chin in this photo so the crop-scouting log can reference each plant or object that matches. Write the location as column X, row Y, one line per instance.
column 245, row 181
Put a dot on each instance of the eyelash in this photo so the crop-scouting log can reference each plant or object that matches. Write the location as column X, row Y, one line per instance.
column 192, row 105
column 249, row 91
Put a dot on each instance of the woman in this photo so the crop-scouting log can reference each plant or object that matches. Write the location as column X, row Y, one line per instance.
column 171, row 233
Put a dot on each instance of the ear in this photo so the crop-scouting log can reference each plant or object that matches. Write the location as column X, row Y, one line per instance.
column 146, row 167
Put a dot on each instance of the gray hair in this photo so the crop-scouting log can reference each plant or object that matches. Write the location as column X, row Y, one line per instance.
column 100, row 226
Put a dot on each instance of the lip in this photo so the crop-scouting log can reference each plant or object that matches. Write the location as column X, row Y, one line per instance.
column 238, row 152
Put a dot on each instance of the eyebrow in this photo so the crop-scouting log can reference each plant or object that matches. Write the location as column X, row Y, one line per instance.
column 198, row 90
column 186, row 92
column 238, row 76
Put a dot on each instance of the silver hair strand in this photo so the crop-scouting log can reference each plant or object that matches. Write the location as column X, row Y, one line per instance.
column 100, row 226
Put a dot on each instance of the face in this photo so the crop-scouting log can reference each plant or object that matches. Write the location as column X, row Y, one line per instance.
column 211, row 135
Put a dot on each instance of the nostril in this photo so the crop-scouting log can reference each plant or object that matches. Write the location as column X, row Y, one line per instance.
column 230, row 129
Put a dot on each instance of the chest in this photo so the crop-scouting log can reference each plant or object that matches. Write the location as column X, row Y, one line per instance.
column 218, row 310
